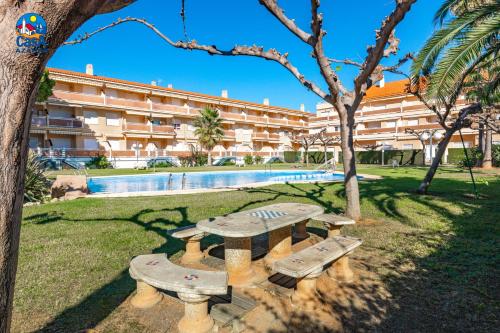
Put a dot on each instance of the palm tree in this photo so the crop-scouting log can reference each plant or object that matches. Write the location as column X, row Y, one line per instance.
column 467, row 38
column 209, row 130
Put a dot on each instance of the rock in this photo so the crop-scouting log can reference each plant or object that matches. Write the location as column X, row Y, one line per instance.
column 69, row 187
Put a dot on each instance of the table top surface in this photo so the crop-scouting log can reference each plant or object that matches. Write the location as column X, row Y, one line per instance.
column 260, row 220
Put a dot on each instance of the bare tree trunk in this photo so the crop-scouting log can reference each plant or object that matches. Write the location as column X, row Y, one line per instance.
column 209, row 161
column 424, row 154
column 481, row 144
column 353, row 209
column 19, row 77
column 306, row 152
column 424, row 186
column 487, row 158
column 326, row 154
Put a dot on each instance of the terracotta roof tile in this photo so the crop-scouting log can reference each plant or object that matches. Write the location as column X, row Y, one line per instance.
column 390, row 89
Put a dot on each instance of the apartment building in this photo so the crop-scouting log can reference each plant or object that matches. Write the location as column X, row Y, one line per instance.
column 383, row 117
column 89, row 115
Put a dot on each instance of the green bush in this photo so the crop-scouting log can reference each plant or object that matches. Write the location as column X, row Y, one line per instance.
column 98, row 162
column 292, row 156
column 161, row 164
column 496, row 155
column 259, row 159
column 36, row 185
column 228, row 163
column 248, row 159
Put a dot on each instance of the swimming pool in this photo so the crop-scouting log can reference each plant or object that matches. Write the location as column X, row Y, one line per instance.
column 201, row 180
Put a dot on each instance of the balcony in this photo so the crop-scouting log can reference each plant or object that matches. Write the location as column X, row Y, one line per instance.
column 376, row 130
column 231, row 116
column 149, row 128
column 77, row 97
column 127, row 103
column 170, row 108
column 276, row 121
column 55, row 122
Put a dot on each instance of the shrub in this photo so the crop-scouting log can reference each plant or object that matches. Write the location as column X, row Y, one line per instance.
column 259, row 159
column 161, row 164
column 197, row 158
column 98, row 162
column 36, row 185
column 495, row 155
column 248, row 159
column 228, row 163
column 474, row 156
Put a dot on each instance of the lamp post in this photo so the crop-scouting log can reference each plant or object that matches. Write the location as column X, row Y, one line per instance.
column 137, row 147
column 429, row 135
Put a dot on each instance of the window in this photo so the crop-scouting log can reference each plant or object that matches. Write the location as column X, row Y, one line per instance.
column 412, row 122
column 177, row 126
column 61, row 142
column 112, row 119
column 408, row 146
column 390, row 124
column 90, row 144
column 91, row 117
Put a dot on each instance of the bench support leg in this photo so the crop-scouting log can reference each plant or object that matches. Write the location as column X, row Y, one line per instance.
column 333, row 230
column 340, row 270
column 280, row 245
column 305, row 292
column 196, row 318
column 300, row 231
column 193, row 252
column 238, row 259
column 146, row 296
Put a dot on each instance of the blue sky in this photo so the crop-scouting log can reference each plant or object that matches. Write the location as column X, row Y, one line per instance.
column 133, row 52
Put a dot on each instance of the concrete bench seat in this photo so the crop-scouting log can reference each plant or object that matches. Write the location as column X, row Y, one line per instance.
column 307, row 265
column 193, row 286
column 334, row 223
column 192, row 236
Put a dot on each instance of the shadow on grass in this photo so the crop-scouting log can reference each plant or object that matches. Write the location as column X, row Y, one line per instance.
column 453, row 286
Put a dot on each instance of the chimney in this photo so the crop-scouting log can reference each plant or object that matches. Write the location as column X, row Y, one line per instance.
column 170, row 85
column 224, row 94
column 302, row 107
column 153, row 83
column 89, row 69
column 266, row 101
column 382, row 82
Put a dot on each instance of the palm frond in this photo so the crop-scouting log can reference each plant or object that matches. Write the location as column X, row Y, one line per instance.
column 457, row 59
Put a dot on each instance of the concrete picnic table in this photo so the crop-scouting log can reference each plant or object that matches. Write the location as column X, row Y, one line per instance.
column 238, row 228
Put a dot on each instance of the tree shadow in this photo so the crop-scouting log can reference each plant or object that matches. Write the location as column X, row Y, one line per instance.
column 450, row 285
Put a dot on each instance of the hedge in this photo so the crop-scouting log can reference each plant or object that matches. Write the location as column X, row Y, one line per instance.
column 405, row 157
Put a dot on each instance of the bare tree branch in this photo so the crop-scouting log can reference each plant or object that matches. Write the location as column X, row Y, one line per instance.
column 273, row 7
column 346, row 62
column 385, row 35
column 237, row 50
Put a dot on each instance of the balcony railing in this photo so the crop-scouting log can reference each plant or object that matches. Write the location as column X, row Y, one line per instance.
column 127, row 103
column 149, row 128
column 137, row 127
column 56, row 122
column 77, row 97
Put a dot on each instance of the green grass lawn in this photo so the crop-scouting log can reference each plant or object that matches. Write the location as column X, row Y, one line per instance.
column 437, row 255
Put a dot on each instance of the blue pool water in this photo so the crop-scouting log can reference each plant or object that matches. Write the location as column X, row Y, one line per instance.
column 197, row 180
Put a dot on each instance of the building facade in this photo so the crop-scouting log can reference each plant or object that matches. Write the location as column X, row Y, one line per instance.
column 385, row 114
column 89, row 115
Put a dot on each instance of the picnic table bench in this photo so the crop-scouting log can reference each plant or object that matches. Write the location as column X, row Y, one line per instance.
column 307, row 264
column 193, row 286
column 192, row 236
column 238, row 228
column 334, row 222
